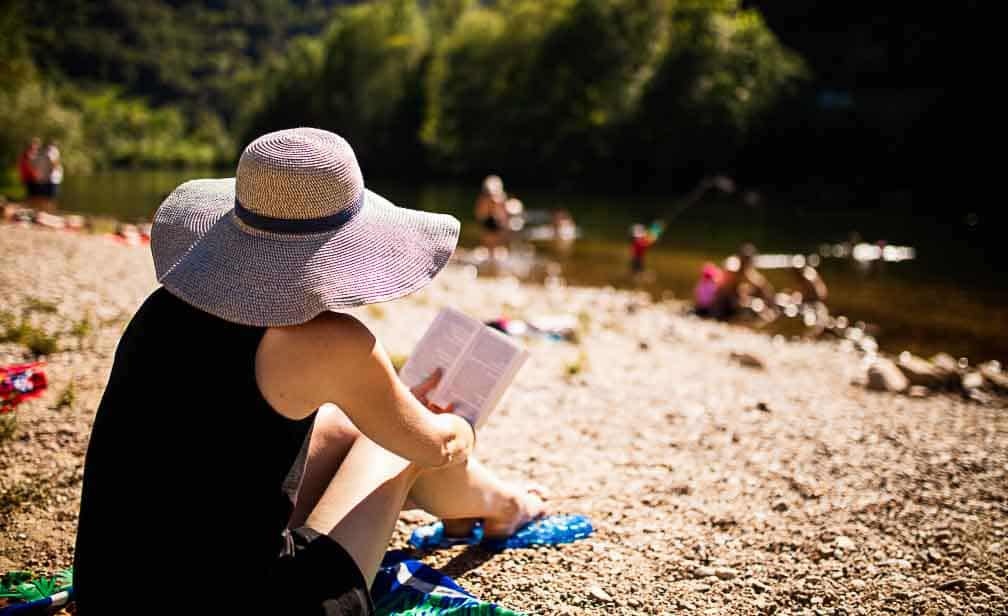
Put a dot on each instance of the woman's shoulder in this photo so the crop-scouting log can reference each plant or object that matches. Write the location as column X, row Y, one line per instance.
column 333, row 331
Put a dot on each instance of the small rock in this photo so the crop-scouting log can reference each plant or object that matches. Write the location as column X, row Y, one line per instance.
column 762, row 406
column 599, row 594
column 844, row 543
column 922, row 372
column 859, row 584
column 997, row 379
column 703, row 572
column 953, row 584
column 972, row 380
column 759, row 586
column 780, row 506
column 726, row 573
column 749, row 360
column 883, row 375
column 944, row 361
column 918, row 391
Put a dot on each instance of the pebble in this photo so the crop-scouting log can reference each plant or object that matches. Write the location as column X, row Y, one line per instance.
column 884, row 375
column 599, row 594
column 953, row 584
column 726, row 573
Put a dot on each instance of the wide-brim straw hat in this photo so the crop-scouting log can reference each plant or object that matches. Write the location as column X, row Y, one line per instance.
column 295, row 233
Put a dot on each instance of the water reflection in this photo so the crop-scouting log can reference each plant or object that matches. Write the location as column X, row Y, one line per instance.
column 933, row 293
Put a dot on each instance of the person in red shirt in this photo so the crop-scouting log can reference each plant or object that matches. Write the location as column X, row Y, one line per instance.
column 26, row 169
column 642, row 238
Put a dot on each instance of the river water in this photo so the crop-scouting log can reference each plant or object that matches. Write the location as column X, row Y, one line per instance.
column 948, row 298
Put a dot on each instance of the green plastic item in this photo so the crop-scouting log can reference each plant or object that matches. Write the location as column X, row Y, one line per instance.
column 23, row 586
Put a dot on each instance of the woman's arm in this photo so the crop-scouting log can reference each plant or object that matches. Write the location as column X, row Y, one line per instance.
column 335, row 358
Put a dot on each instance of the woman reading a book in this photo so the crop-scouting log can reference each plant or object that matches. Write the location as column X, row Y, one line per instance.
column 214, row 452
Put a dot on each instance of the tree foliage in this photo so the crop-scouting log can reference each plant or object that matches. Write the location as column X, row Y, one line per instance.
column 546, row 89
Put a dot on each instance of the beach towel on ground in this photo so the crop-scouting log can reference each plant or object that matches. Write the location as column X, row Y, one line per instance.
column 410, row 588
column 402, row 588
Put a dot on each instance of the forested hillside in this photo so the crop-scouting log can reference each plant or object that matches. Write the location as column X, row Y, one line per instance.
column 545, row 89
column 152, row 83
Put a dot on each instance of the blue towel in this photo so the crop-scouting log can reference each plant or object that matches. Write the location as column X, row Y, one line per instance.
column 410, row 588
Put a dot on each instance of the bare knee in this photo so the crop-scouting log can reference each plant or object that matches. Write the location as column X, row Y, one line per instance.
column 333, row 430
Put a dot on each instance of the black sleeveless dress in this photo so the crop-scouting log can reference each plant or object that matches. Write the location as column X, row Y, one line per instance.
column 189, row 482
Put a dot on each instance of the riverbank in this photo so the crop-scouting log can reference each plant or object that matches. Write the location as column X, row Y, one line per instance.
column 713, row 485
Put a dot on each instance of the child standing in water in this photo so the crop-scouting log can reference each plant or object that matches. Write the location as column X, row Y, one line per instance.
column 641, row 239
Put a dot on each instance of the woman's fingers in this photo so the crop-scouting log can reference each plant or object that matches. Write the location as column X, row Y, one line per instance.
column 421, row 390
column 437, row 409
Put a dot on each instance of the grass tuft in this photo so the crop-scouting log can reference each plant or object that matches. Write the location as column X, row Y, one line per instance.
column 83, row 330
column 68, row 398
column 22, row 332
column 8, row 427
column 578, row 365
column 34, row 304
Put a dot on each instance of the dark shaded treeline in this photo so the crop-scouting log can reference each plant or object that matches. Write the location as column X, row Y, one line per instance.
column 840, row 104
column 892, row 109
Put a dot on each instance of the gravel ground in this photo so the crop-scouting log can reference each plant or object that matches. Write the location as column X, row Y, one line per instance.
column 715, row 487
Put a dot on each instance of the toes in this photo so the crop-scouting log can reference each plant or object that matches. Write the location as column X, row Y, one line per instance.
column 537, row 490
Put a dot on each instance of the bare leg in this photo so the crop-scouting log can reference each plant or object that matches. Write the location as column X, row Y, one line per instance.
column 465, row 493
column 360, row 506
column 331, row 439
column 459, row 494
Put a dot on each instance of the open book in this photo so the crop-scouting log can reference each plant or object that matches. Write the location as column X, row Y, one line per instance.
column 478, row 362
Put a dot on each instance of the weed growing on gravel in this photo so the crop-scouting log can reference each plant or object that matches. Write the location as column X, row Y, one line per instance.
column 68, row 398
column 21, row 494
column 8, row 427
column 82, row 331
column 34, row 304
column 578, row 365
column 21, row 332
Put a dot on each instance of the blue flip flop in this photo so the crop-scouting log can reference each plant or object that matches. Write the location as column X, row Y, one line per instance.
column 432, row 537
column 549, row 530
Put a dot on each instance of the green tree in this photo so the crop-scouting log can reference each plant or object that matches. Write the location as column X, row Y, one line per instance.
column 722, row 70
column 542, row 85
column 362, row 80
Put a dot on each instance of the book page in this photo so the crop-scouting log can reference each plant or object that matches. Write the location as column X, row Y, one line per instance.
column 480, row 376
column 442, row 344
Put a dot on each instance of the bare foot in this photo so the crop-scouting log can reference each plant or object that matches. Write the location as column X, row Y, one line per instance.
column 521, row 506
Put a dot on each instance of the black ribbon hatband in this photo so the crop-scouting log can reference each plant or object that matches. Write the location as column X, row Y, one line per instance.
column 293, row 225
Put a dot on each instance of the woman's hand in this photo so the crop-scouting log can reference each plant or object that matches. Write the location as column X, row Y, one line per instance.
column 465, row 431
column 421, row 391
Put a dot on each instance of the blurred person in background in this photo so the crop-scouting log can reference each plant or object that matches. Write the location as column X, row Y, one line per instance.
column 813, row 297
column 49, row 174
column 491, row 212
column 641, row 239
column 564, row 231
column 744, row 286
column 706, row 291
column 27, row 171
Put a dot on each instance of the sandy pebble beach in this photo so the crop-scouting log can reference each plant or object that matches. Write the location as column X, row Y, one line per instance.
column 714, row 486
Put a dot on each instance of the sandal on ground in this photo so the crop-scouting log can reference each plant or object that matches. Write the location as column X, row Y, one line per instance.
column 549, row 530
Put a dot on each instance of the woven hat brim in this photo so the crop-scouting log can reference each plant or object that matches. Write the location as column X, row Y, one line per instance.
column 209, row 258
